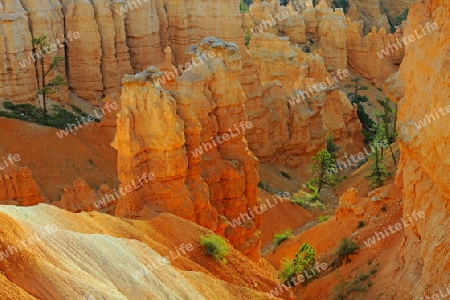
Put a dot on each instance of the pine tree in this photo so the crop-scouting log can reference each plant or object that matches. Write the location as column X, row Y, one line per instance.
column 331, row 145
column 46, row 88
column 322, row 162
column 378, row 172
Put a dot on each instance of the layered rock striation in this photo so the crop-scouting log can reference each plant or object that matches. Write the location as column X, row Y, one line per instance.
column 194, row 142
column 292, row 115
column 422, row 90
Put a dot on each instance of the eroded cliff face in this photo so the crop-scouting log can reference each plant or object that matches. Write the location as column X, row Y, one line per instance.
column 106, row 40
column 183, row 139
column 424, row 135
column 290, row 117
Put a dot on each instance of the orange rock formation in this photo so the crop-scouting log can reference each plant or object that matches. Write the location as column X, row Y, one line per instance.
column 162, row 134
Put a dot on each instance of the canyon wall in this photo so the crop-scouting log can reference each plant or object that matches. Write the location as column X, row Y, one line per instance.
column 291, row 117
column 422, row 90
column 197, row 176
column 106, row 40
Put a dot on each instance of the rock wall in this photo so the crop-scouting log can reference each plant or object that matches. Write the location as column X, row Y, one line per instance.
column 17, row 187
column 423, row 173
column 16, row 83
column 118, row 38
column 209, row 182
column 289, row 128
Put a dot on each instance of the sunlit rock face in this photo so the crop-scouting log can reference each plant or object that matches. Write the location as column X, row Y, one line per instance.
column 422, row 89
column 197, row 176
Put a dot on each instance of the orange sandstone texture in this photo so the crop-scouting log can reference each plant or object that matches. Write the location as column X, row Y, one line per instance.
column 162, row 134
column 18, row 187
column 287, row 127
column 423, row 172
column 62, row 255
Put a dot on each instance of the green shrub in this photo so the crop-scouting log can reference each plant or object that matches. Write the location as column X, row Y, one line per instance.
column 278, row 238
column 305, row 258
column 343, row 289
column 287, row 271
column 347, row 247
column 215, row 246
column 348, row 289
column 323, row 218
column 361, row 224
column 311, row 200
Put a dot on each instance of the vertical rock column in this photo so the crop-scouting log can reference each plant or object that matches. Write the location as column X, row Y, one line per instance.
column 211, row 102
column 17, row 83
column 150, row 139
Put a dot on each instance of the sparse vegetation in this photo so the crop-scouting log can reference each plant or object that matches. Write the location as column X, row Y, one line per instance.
column 383, row 208
column 357, row 99
column 58, row 117
column 378, row 173
column 389, row 121
column 278, row 238
column 46, row 88
column 311, row 200
column 215, row 246
column 361, row 224
column 347, row 289
column 322, row 162
column 346, row 248
column 323, row 218
column 305, row 258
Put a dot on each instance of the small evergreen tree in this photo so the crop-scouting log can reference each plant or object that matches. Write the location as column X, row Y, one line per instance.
column 366, row 121
column 331, row 145
column 305, row 258
column 322, row 162
column 389, row 119
column 46, row 88
column 378, row 172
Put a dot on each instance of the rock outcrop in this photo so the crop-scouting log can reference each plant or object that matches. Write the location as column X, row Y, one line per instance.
column 17, row 187
column 424, row 139
column 292, row 116
column 80, row 197
column 16, row 83
column 196, row 175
